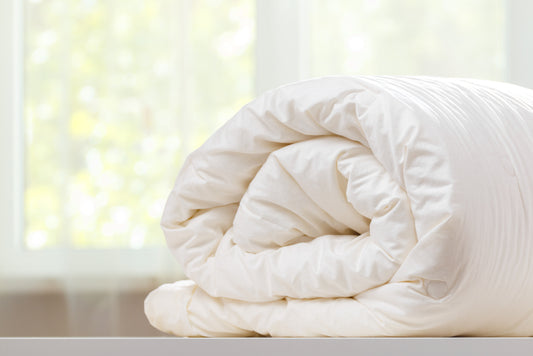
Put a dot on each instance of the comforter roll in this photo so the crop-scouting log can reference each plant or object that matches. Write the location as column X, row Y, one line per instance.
column 357, row 206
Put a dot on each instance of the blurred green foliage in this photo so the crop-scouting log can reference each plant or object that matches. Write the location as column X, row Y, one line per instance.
column 116, row 94
column 457, row 38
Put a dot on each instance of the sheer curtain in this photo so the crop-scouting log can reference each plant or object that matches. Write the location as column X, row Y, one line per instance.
column 103, row 100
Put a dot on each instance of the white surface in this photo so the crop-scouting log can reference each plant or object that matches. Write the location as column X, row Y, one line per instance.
column 266, row 346
column 358, row 206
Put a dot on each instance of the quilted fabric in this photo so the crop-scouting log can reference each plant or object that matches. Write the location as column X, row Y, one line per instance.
column 358, row 206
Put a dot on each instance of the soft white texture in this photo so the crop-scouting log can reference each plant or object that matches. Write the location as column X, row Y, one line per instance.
column 358, row 206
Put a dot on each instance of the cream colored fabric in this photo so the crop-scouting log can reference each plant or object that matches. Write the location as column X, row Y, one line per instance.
column 358, row 206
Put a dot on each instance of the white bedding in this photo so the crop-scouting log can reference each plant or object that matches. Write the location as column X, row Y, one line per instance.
column 358, row 206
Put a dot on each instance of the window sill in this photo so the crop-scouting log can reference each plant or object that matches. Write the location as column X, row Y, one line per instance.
column 86, row 270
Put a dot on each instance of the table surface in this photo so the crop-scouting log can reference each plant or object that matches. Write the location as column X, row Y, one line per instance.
column 266, row 346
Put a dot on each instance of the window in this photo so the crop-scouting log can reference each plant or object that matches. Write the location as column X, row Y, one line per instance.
column 117, row 93
column 113, row 96
column 102, row 100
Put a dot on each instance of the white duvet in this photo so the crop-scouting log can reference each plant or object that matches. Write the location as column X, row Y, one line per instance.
column 358, row 206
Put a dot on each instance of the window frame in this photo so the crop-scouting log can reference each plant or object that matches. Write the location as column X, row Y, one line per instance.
column 519, row 48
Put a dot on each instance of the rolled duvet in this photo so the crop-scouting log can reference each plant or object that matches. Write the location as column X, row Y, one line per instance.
column 357, row 206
